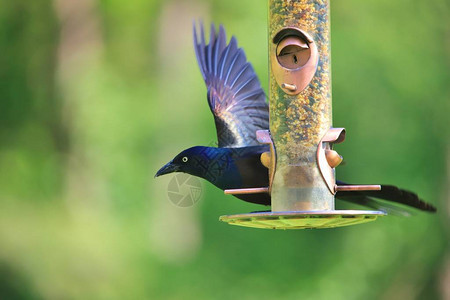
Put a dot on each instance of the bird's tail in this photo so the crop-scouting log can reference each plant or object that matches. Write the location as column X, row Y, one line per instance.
column 377, row 205
column 388, row 193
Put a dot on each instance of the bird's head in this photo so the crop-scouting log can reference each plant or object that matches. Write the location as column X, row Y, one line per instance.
column 187, row 161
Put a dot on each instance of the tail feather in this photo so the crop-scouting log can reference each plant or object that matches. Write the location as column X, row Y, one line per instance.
column 389, row 193
column 378, row 205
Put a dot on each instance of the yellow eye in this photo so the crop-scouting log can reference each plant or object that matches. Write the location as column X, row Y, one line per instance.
column 184, row 159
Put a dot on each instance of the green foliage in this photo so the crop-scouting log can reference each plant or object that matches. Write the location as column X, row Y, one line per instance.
column 95, row 96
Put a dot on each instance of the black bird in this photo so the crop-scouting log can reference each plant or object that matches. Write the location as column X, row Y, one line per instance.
column 238, row 104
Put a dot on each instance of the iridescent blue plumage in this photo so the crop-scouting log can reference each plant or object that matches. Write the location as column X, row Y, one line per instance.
column 226, row 168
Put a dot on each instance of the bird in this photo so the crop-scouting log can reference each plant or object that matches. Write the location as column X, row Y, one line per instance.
column 238, row 104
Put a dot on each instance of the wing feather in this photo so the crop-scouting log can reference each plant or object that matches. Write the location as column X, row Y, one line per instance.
column 235, row 95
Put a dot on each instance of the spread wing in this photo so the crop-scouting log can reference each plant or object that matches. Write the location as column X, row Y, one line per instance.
column 235, row 96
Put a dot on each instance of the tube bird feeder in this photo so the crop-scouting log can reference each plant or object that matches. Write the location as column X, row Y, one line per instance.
column 302, row 160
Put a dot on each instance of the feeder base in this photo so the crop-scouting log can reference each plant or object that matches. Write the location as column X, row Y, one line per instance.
column 302, row 219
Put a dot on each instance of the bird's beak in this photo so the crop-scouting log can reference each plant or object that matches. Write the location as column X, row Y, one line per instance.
column 168, row 168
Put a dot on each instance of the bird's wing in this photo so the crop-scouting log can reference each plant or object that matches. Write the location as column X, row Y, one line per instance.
column 235, row 95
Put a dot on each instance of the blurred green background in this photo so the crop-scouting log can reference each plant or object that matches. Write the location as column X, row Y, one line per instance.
column 96, row 95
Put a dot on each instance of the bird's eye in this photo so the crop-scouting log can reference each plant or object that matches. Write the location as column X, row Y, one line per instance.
column 184, row 159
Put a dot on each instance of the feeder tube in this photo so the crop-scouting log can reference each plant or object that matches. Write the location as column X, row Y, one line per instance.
column 298, row 122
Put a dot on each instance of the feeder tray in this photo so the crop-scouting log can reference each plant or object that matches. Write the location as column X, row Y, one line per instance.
column 302, row 219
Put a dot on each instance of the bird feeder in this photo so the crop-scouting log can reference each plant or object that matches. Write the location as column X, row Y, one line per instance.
column 301, row 161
